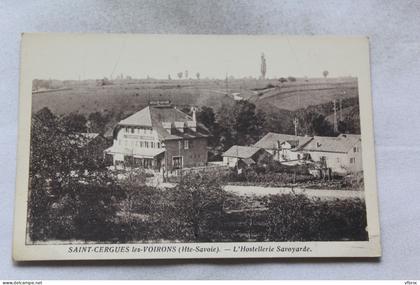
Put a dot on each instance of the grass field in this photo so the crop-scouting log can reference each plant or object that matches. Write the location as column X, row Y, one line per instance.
column 87, row 96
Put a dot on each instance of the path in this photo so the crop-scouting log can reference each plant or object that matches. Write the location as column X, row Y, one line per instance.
column 319, row 193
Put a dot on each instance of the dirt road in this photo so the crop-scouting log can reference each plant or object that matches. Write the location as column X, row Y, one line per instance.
column 315, row 193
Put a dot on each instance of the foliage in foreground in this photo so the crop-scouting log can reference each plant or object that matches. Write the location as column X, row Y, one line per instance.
column 198, row 210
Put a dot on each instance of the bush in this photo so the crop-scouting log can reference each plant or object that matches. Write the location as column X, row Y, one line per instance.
column 297, row 218
column 272, row 175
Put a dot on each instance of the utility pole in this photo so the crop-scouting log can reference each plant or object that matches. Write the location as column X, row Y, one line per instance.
column 227, row 85
column 341, row 109
column 335, row 115
column 296, row 123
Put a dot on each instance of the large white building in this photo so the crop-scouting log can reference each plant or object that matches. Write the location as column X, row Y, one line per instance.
column 159, row 136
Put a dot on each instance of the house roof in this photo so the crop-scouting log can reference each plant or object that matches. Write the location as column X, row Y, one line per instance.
column 241, row 151
column 248, row 161
column 270, row 140
column 341, row 144
column 158, row 116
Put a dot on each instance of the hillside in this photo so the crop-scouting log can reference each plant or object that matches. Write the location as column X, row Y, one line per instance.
column 301, row 94
column 131, row 95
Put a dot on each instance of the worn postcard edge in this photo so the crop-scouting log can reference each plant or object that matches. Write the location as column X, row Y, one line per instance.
column 24, row 252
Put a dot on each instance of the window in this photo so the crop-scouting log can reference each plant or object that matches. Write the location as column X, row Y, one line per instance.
column 186, row 144
column 158, row 145
column 132, row 130
column 352, row 160
column 141, row 143
column 153, row 144
column 354, row 149
column 177, row 162
column 147, row 144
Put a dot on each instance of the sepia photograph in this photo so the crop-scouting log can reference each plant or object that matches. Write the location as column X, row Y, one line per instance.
column 147, row 146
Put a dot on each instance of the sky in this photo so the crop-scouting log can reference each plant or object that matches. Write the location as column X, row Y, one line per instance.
column 94, row 56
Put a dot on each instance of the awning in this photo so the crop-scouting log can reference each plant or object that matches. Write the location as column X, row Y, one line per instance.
column 138, row 153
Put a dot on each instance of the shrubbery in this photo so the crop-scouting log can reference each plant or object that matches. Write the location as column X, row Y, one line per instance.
column 272, row 174
column 197, row 210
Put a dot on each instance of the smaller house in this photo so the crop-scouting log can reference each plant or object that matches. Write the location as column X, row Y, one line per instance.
column 243, row 156
column 341, row 154
column 283, row 147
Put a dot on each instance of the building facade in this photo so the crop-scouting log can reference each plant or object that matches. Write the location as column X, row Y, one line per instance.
column 159, row 137
column 283, row 147
column 341, row 154
column 245, row 156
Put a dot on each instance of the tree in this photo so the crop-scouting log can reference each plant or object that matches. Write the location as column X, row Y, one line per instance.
column 263, row 66
column 179, row 75
column 169, row 77
column 325, row 73
column 98, row 122
column 58, row 165
column 291, row 79
column 240, row 124
column 205, row 198
column 186, row 74
column 74, row 123
column 207, row 117
column 314, row 124
column 197, row 75
column 282, row 80
column 248, row 124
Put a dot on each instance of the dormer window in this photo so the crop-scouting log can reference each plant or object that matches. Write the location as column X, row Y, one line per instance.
column 318, row 144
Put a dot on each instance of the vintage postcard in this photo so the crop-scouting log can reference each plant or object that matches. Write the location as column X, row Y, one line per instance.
column 194, row 146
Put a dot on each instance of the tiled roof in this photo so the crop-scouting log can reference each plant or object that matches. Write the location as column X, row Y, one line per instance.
column 155, row 117
column 270, row 140
column 241, row 151
column 341, row 144
column 140, row 118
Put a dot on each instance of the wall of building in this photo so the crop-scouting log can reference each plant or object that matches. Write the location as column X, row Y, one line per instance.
column 261, row 156
column 132, row 138
column 195, row 155
column 230, row 161
column 341, row 163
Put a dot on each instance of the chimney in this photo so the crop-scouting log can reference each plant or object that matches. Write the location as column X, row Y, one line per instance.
column 194, row 117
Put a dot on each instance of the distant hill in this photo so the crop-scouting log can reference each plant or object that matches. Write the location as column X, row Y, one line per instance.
column 129, row 96
column 303, row 93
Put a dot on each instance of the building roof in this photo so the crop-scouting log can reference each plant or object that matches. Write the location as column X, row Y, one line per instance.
column 248, row 161
column 342, row 143
column 270, row 140
column 241, row 151
column 139, row 153
column 159, row 117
